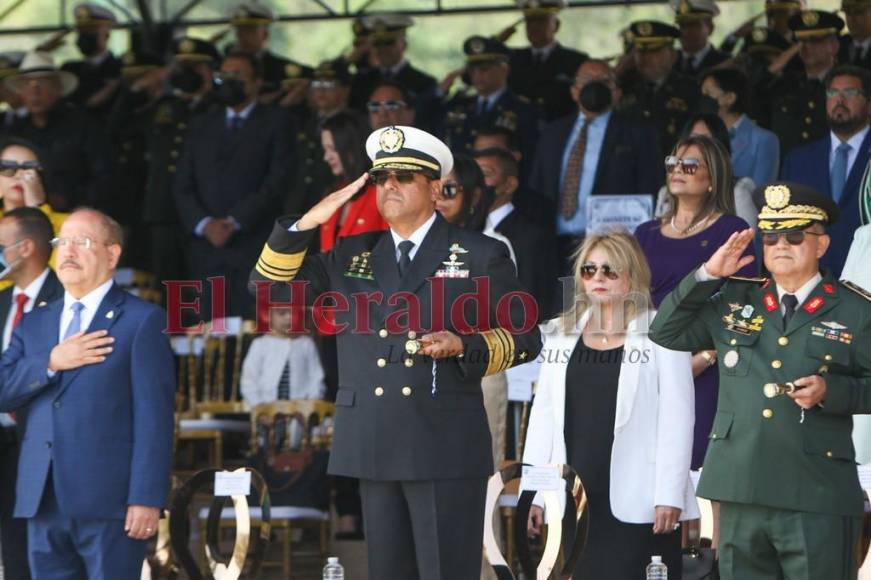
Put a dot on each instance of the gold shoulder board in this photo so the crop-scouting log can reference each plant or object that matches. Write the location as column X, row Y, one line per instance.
column 857, row 289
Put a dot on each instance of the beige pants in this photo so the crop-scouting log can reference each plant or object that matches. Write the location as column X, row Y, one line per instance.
column 495, row 389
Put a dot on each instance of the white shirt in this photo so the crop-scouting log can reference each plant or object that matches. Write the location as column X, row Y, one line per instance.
column 394, row 70
column 697, row 58
column 801, row 294
column 32, row 291
column 490, row 100
column 855, row 143
column 416, row 237
column 495, row 217
column 543, row 53
column 91, row 302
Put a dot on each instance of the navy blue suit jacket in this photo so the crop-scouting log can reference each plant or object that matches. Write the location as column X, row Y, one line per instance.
column 809, row 165
column 105, row 430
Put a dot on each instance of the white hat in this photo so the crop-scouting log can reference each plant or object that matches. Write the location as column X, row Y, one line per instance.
column 408, row 148
column 40, row 64
column 88, row 14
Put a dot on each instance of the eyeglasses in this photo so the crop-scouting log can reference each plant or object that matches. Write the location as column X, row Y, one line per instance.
column 584, row 79
column 688, row 165
column 588, row 271
column 9, row 168
column 850, row 93
column 385, row 106
column 451, row 189
column 380, row 176
column 795, row 238
column 324, row 85
column 78, row 241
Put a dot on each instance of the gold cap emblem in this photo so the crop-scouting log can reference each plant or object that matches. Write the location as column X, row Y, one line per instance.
column 810, row 18
column 292, row 70
column 759, row 34
column 684, row 7
column 776, row 196
column 645, row 28
column 476, row 45
column 187, row 46
column 391, row 140
column 82, row 13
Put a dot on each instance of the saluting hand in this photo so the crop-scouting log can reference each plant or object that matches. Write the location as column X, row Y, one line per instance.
column 326, row 207
column 79, row 350
column 729, row 258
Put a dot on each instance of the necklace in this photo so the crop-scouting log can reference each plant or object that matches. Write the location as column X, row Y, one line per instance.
column 690, row 229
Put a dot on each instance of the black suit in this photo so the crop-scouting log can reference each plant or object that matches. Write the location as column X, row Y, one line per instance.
column 423, row 456
column 243, row 175
column 92, row 79
column 13, row 531
column 848, row 55
column 546, row 83
column 712, row 59
column 630, row 161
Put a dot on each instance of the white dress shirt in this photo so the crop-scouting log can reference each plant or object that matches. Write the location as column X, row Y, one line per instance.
column 416, row 237
column 32, row 291
column 801, row 294
column 855, row 143
column 543, row 53
column 495, row 217
column 91, row 302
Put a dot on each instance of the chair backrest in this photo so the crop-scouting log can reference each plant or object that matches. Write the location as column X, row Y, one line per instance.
column 299, row 425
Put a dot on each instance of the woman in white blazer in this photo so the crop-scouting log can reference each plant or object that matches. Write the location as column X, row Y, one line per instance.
column 857, row 270
column 619, row 409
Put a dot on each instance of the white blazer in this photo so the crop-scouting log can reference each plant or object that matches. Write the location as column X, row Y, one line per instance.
column 653, row 429
column 856, row 270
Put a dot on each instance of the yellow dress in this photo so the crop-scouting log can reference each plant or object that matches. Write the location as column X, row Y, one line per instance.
column 57, row 219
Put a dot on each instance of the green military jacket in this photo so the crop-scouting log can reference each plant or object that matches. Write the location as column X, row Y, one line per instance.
column 762, row 450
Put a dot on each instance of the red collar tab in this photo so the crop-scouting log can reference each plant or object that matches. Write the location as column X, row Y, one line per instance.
column 814, row 304
column 770, row 301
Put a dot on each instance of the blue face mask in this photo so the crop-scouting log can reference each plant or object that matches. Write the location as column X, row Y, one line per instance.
column 5, row 265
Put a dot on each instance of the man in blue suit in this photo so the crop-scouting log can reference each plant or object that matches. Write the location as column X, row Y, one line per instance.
column 94, row 375
column 835, row 164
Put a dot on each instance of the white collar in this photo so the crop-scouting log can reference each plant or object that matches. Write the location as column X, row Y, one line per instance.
column 96, row 61
column 493, row 97
column 92, row 299
column 802, row 293
column 244, row 113
column 699, row 56
column 855, row 142
column 395, row 69
column 33, row 288
column 545, row 51
column 495, row 217
column 417, row 235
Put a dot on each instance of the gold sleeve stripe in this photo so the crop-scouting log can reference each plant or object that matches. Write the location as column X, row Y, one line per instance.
column 500, row 346
column 273, row 274
column 281, row 262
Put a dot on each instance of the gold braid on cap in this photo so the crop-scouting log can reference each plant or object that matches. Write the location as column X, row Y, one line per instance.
column 796, row 212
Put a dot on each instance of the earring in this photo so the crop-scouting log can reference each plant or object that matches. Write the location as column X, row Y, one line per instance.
column 710, row 188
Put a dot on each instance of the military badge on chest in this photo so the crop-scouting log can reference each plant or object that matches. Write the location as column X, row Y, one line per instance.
column 741, row 320
column 832, row 330
column 452, row 267
column 359, row 267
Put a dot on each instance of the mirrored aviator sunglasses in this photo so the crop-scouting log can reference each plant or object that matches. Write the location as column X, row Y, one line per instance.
column 687, row 166
column 380, row 176
column 10, row 168
column 588, row 271
column 794, row 238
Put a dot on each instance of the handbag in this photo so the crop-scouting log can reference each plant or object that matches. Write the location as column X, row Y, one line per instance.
column 699, row 563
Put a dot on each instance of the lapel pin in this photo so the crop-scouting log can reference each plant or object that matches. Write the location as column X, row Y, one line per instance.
column 110, row 314
column 41, row 304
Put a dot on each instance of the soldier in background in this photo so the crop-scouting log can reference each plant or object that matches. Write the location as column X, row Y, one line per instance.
column 695, row 19
column 10, row 102
column 652, row 89
column 99, row 72
column 544, row 71
column 856, row 46
column 250, row 22
column 798, row 106
column 494, row 105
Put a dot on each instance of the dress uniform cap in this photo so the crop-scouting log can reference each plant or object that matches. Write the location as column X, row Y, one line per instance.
column 251, row 14
column 333, row 70
column 360, row 27
column 851, row 5
column 88, row 15
column 134, row 63
column 781, row 5
column 690, row 10
column 9, row 62
column 40, row 64
column 815, row 23
column 540, row 8
column 785, row 206
column 480, row 49
column 764, row 40
column 652, row 34
column 407, row 148
column 388, row 27
column 194, row 50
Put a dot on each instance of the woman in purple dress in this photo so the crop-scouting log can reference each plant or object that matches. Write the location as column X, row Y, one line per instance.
column 701, row 218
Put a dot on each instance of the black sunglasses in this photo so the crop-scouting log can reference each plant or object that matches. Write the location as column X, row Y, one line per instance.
column 450, row 190
column 795, row 238
column 9, row 168
column 380, row 176
column 386, row 106
column 588, row 271
column 688, row 165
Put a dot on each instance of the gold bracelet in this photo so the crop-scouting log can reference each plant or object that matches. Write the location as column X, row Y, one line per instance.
column 709, row 358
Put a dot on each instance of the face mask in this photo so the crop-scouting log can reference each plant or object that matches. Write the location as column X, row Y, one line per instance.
column 595, row 97
column 186, row 80
column 708, row 104
column 6, row 267
column 231, row 92
column 87, row 43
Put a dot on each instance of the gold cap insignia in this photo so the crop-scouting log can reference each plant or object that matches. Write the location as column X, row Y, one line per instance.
column 684, row 7
column 292, row 70
column 391, row 140
column 759, row 34
column 187, row 46
column 810, row 18
column 645, row 28
column 82, row 13
column 477, row 46
column 777, row 196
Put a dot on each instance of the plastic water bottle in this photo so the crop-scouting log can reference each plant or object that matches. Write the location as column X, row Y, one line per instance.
column 656, row 570
column 334, row 571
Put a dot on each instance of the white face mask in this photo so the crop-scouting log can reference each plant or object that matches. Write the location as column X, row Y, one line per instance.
column 6, row 267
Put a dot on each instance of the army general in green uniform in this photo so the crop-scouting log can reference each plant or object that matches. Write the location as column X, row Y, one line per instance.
column 794, row 367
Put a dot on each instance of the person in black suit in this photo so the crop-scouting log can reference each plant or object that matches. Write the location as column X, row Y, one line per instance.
column 619, row 155
column 543, row 71
column 25, row 235
column 410, row 419
column 534, row 247
column 231, row 181
column 695, row 19
column 99, row 72
column 389, row 45
column 856, row 46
